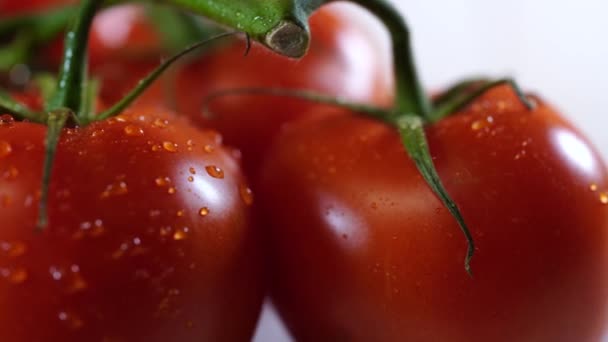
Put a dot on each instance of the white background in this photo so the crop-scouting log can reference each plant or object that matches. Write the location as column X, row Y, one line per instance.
column 555, row 48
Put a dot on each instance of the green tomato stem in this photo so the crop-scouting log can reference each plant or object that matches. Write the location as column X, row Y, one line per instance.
column 464, row 92
column 16, row 109
column 143, row 84
column 413, row 137
column 279, row 24
column 72, row 74
column 409, row 96
column 56, row 121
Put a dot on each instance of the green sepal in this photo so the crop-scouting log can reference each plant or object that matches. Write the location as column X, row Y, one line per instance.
column 10, row 106
column 463, row 93
column 56, row 122
column 413, row 137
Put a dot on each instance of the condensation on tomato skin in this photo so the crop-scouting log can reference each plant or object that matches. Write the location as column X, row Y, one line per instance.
column 172, row 190
column 70, row 319
column 603, row 197
column 170, row 146
column 593, row 187
column 482, row 123
column 133, row 131
column 208, row 148
column 181, row 234
column 12, row 249
column 68, row 278
column 204, row 211
column 6, row 120
column 162, row 181
column 15, row 276
column 166, row 305
column 246, row 194
column 10, row 173
column 93, row 229
column 117, row 188
column 160, row 123
column 5, row 149
column 190, row 145
column 215, row 171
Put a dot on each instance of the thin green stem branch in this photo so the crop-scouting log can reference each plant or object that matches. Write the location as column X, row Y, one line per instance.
column 72, row 75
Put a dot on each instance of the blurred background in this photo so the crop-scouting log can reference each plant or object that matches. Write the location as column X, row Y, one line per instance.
column 554, row 48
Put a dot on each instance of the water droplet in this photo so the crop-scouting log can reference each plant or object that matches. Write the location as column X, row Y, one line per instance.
column 215, row 171
column 6, row 120
column 97, row 133
column 190, row 144
column 246, row 194
column 208, row 148
column 180, row 213
column 120, row 252
column 192, row 170
column 180, row 234
column 155, row 148
column 604, row 198
column 593, row 187
column 482, row 123
column 160, row 123
column 164, row 231
column 13, row 249
column 204, row 211
column 190, row 179
column 169, row 146
column 115, row 189
column 134, row 131
column 162, row 181
column 5, row 148
column 55, row 272
column 15, row 276
column 171, row 191
column 11, row 173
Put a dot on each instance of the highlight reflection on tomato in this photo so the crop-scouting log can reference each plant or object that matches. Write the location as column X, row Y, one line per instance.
column 363, row 251
column 149, row 235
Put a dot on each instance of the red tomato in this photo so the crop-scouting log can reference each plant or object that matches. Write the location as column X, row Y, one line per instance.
column 344, row 59
column 363, row 250
column 149, row 235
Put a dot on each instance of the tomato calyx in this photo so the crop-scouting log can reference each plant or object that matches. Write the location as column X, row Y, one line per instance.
column 72, row 101
column 409, row 125
column 464, row 92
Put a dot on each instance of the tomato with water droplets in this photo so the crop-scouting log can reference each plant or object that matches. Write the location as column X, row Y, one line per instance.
column 134, row 249
column 363, row 250
column 345, row 59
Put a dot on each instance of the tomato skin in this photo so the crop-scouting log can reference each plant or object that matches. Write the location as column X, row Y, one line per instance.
column 128, row 254
column 344, row 59
column 363, row 251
